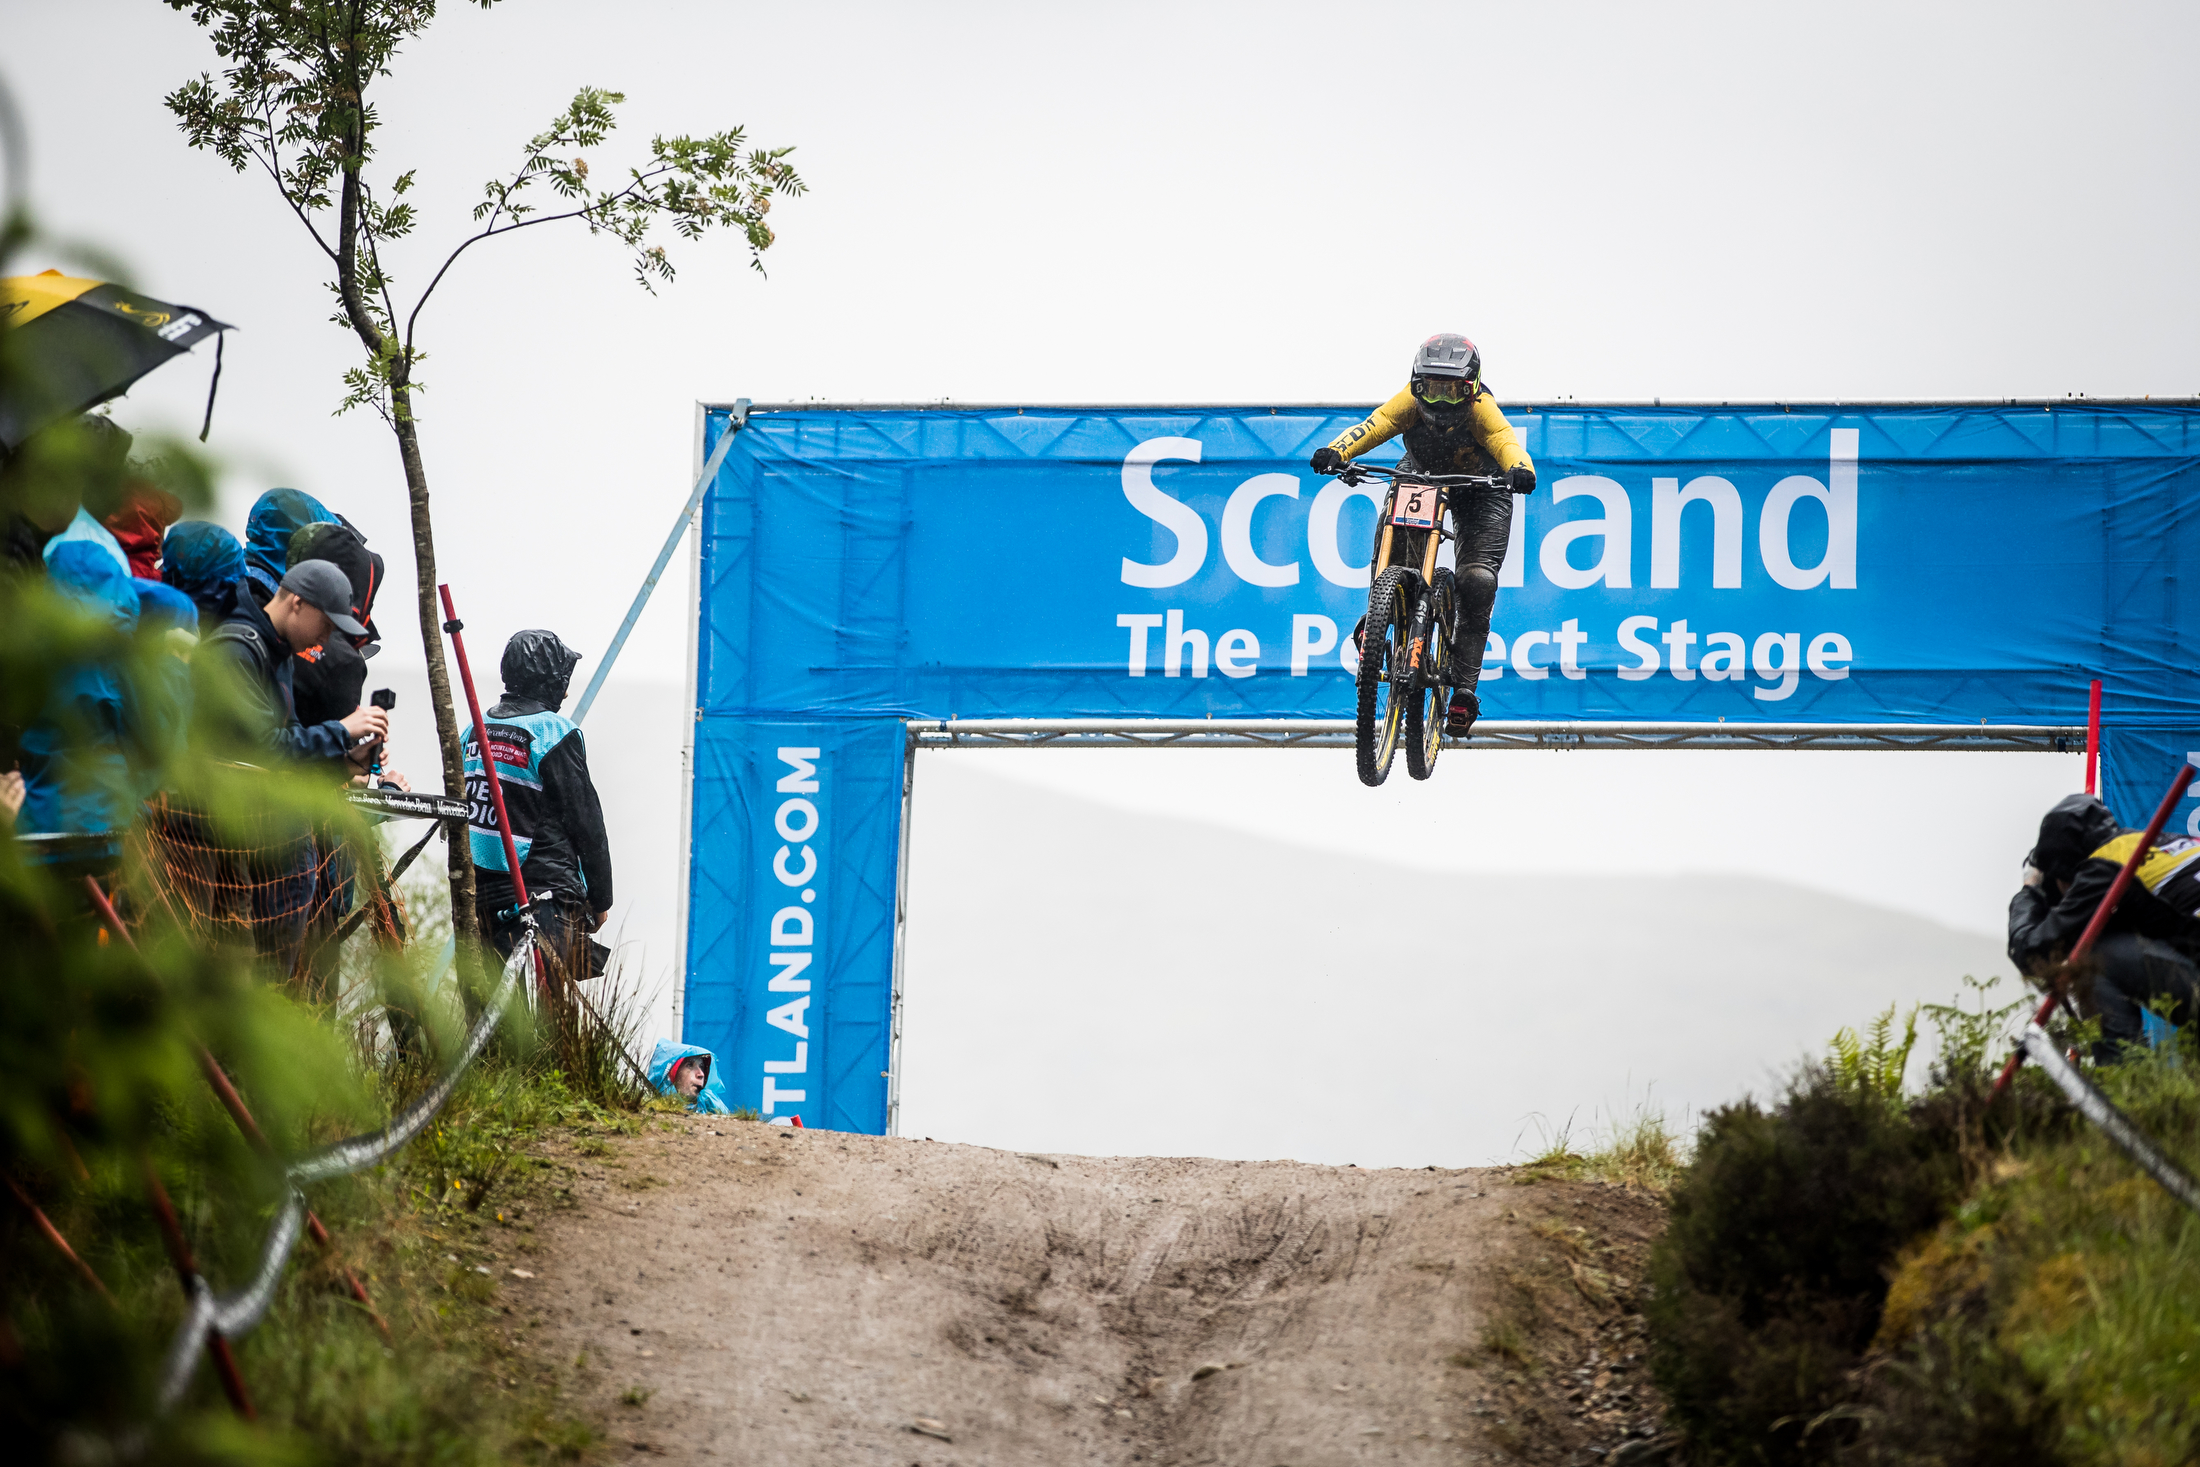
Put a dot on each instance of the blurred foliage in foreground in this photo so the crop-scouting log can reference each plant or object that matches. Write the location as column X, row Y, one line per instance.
column 101, row 1090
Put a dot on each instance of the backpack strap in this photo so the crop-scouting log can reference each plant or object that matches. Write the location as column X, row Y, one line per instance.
column 249, row 643
column 232, row 631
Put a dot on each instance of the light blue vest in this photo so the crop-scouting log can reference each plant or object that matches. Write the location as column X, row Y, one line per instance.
column 519, row 745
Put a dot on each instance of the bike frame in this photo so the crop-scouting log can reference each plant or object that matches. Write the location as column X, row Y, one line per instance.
column 1443, row 484
column 1410, row 621
column 1436, row 537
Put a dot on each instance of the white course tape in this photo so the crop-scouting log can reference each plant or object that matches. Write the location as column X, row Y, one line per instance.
column 360, row 1152
column 237, row 1313
column 2095, row 1107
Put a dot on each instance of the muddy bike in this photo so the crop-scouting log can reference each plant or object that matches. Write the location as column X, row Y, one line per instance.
column 1412, row 607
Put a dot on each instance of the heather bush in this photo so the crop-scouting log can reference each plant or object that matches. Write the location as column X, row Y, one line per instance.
column 1769, row 1279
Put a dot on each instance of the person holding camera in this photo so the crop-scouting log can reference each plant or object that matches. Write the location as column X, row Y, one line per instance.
column 291, row 881
column 260, row 643
column 331, row 676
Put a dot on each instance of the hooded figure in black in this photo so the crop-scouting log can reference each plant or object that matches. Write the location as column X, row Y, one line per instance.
column 557, row 821
column 2152, row 940
column 330, row 679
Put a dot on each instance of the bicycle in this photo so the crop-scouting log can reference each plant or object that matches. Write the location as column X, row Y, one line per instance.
column 1412, row 609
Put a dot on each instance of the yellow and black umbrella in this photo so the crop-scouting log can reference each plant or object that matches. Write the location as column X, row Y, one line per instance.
column 72, row 344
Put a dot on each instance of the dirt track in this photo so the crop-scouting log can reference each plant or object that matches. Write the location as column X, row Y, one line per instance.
column 811, row 1297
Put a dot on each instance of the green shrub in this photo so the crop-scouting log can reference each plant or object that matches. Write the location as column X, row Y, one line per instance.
column 2054, row 1316
column 1951, row 1396
column 1770, row 1275
column 101, row 1085
column 1873, row 1062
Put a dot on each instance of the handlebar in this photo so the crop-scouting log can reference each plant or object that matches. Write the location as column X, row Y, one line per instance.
column 1354, row 473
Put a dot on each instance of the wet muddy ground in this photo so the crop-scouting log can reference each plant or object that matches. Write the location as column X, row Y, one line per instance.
column 748, row 1293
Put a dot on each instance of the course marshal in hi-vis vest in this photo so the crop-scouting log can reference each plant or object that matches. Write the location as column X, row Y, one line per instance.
column 519, row 745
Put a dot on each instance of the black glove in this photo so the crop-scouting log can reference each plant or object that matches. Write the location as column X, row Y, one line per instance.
column 1523, row 479
column 1327, row 460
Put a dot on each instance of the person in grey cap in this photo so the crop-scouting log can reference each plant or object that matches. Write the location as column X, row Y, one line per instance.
column 260, row 644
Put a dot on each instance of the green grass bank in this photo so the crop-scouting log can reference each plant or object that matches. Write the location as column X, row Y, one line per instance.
column 1856, row 1272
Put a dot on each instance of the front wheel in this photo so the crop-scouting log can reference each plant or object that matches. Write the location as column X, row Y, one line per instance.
column 1383, row 696
column 1429, row 656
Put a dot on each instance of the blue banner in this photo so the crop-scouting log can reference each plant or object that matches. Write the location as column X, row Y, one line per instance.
column 796, row 842
column 1936, row 564
column 2137, row 767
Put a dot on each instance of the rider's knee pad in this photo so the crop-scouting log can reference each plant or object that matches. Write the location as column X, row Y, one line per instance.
column 1477, row 589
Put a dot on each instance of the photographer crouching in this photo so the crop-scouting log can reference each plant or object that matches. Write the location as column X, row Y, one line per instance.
column 2151, row 944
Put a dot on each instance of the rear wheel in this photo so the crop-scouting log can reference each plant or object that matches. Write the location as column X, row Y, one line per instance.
column 1382, row 659
column 1426, row 695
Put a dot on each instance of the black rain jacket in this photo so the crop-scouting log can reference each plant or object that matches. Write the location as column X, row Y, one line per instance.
column 258, row 652
column 571, row 853
column 2081, row 843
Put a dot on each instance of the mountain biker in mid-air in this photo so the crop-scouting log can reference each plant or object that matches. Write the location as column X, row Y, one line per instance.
column 1452, row 425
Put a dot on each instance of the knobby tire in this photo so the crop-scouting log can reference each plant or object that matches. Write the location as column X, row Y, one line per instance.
column 1376, row 729
column 1425, row 701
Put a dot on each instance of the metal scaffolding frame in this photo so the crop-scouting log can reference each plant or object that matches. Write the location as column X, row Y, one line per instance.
column 1540, row 404
column 1494, row 733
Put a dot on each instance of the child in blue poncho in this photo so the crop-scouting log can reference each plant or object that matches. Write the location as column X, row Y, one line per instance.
column 686, row 1071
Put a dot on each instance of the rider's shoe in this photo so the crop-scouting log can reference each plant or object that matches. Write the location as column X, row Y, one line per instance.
column 1359, row 637
column 1459, row 718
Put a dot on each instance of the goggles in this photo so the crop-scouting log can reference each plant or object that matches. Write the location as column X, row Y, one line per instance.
column 1443, row 389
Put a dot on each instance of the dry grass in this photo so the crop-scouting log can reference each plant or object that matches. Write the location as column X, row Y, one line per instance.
column 1572, row 1240
column 1639, row 1152
column 1504, row 1339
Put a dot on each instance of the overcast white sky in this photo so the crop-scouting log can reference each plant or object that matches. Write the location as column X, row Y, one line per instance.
column 1200, row 202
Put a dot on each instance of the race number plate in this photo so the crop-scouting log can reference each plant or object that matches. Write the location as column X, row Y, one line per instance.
column 1414, row 506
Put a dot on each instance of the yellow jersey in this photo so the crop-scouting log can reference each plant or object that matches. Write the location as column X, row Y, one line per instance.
column 1471, row 438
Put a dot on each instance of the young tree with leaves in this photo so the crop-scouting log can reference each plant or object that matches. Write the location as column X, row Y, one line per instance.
column 293, row 100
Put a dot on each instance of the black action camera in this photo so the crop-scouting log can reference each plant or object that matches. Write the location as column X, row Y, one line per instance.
column 384, row 699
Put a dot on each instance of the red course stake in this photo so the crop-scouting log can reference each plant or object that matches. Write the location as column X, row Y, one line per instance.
column 455, row 627
column 2104, row 911
column 187, row 1272
column 2093, row 737
column 53, row 1236
column 217, row 1080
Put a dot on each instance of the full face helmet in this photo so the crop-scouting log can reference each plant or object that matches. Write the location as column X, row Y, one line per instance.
column 1447, row 370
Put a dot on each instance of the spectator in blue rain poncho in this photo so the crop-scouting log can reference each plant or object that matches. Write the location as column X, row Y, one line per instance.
column 276, row 516
column 164, row 609
column 84, row 530
column 204, row 562
column 76, row 771
column 157, row 694
column 687, row 1071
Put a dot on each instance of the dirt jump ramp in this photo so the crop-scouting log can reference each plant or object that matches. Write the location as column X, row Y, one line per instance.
column 746, row 1293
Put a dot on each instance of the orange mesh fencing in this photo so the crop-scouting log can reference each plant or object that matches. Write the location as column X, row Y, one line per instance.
column 290, row 893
